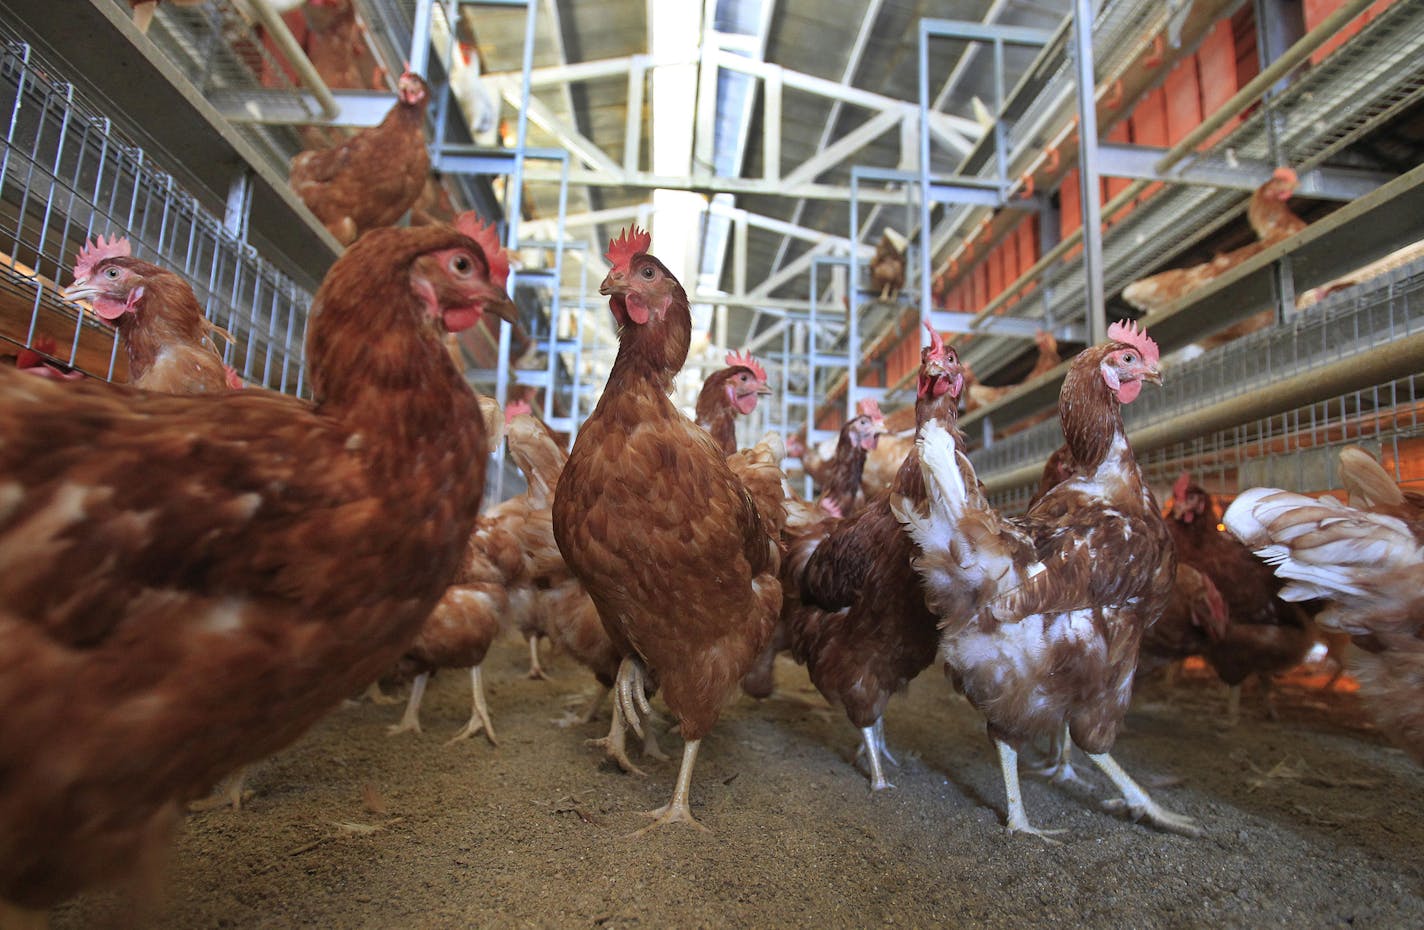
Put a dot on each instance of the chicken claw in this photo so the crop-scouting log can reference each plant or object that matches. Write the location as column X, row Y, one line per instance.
column 1058, row 766
column 536, row 671
column 631, row 695
column 479, row 714
column 375, row 695
column 590, row 708
column 410, row 720
column 1017, row 821
column 1138, row 804
column 872, row 749
column 678, row 810
column 614, row 745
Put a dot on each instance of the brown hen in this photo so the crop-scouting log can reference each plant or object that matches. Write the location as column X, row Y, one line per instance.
column 678, row 552
column 372, row 178
column 188, row 583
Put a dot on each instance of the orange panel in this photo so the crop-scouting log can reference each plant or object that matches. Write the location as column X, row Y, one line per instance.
column 1069, row 204
column 1028, row 243
column 1010, row 250
column 1122, row 132
column 1149, row 120
column 1243, row 37
column 995, row 272
column 1184, row 106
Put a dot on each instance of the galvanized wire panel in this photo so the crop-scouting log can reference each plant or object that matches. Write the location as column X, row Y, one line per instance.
column 67, row 174
column 1345, row 324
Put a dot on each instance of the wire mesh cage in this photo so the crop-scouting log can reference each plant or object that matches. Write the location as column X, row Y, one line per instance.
column 1284, row 449
column 66, row 173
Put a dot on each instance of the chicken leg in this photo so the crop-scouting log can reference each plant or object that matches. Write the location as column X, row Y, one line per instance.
column 410, row 720
column 590, row 708
column 872, row 750
column 615, row 745
column 375, row 695
column 678, row 810
column 479, row 713
column 1016, row 821
column 231, row 798
column 1058, row 767
column 536, row 671
column 1138, row 803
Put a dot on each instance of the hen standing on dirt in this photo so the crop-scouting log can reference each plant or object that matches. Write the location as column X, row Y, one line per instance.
column 678, row 554
column 188, row 583
column 854, row 611
column 1041, row 616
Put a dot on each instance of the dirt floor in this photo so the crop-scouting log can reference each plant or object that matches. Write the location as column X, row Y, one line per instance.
column 1311, row 821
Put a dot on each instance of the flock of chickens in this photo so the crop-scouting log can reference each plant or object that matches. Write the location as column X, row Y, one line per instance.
column 192, row 574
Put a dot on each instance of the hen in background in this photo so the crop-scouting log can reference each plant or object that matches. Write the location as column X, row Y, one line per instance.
column 372, row 178
column 841, row 492
column 676, row 543
column 463, row 626
column 1265, row 636
column 982, row 395
column 1271, row 220
column 39, row 359
column 1041, row 616
column 853, row 610
column 1367, row 559
column 728, row 393
column 167, row 339
column 190, row 582
column 887, row 268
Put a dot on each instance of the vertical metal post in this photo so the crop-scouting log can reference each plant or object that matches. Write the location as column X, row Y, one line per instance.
column 420, row 38
column 853, row 303
column 516, row 183
column 1001, row 154
column 239, row 203
column 925, row 243
column 1088, row 170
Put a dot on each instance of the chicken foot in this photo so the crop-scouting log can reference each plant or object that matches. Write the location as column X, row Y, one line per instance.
column 872, row 750
column 585, row 715
column 631, row 694
column 1058, row 766
column 375, row 695
column 536, row 671
column 479, row 713
column 1138, row 804
column 231, row 798
column 678, row 810
column 614, row 745
column 1016, row 821
column 410, row 720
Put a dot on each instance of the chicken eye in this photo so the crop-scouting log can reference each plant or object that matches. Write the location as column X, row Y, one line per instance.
column 648, row 272
column 461, row 264
column 111, row 273
column 1128, row 358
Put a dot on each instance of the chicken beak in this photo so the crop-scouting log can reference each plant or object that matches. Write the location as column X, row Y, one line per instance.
column 764, row 390
column 80, row 290
column 1153, row 375
column 615, row 283
column 498, row 302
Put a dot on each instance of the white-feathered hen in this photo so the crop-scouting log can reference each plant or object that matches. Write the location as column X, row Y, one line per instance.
column 1041, row 616
column 1369, row 563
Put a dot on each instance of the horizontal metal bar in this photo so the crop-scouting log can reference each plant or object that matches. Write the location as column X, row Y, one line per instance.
column 490, row 163
column 943, row 192
column 354, row 108
column 949, row 321
column 1140, row 161
column 984, row 32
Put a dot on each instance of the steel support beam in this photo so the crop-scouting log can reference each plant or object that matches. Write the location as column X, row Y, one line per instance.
column 1088, row 171
column 1140, row 162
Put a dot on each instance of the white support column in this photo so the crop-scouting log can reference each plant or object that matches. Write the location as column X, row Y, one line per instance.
column 771, row 127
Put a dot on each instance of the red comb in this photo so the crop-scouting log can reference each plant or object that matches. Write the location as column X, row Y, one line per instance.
column 1129, row 334
column 631, row 241
column 1179, row 490
column 95, row 251
column 869, row 407
column 1285, row 174
column 515, row 408
column 744, row 359
column 488, row 240
column 936, row 341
